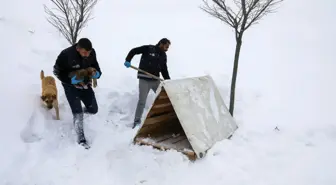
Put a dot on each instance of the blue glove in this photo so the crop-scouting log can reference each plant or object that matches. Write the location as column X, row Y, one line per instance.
column 74, row 81
column 96, row 75
column 127, row 64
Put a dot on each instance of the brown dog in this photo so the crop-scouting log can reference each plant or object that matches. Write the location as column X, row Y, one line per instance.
column 49, row 93
column 82, row 73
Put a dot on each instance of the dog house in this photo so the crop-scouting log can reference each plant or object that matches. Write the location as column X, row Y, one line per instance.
column 188, row 115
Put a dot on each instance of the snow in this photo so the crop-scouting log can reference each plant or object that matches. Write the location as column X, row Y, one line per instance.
column 286, row 80
column 213, row 104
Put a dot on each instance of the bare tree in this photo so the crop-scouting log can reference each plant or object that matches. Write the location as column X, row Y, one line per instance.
column 240, row 15
column 70, row 16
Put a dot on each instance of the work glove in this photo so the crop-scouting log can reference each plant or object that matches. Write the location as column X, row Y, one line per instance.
column 127, row 64
column 74, row 81
column 96, row 75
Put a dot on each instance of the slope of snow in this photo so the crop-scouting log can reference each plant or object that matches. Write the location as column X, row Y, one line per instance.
column 286, row 80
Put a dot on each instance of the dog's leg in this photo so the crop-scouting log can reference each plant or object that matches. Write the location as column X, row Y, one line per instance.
column 56, row 109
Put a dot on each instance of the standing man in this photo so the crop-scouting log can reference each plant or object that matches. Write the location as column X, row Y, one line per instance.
column 79, row 56
column 154, row 61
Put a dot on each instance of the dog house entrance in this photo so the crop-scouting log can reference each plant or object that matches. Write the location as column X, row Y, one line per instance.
column 162, row 129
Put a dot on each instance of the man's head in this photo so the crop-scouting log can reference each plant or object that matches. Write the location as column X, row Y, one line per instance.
column 84, row 47
column 164, row 44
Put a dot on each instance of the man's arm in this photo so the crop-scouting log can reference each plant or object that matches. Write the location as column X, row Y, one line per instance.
column 136, row 51
column 164, row 70
column 95, row 64
column 61, row 67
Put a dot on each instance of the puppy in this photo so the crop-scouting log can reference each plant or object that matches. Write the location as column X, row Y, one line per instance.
column 49, row 93
column 80, row 74
column 85, row 73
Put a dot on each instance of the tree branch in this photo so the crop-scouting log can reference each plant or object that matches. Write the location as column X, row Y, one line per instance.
column 249, row 12
column 260, row 8
column 220, row 11
column 70, row 16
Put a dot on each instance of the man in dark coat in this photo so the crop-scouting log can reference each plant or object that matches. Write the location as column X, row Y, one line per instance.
column 154, row 61
column 79, row 56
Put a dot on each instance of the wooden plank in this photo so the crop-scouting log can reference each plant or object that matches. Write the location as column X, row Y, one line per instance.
column 158, row 119
column 179, row 139
column 159, row 129
column 159, row 138
column 178, row 142
column 157, row 106
column 160, row 111
column 159, row 101
column 161, row 97
column 169, row 138
column 160, row 106
column 189, row 153
column 182, row 144
column 173, row 140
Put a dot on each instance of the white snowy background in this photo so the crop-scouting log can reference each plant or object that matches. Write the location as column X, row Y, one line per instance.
column 286, row 80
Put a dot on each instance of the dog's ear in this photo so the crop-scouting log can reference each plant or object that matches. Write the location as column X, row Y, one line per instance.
column 43, row 97
column 54, row 97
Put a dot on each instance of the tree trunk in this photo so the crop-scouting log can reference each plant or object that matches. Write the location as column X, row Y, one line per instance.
column 234, row 73
column 73, row 40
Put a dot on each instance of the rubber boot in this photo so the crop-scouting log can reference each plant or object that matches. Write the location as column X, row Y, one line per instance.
column 136, row 123
column 78, row 124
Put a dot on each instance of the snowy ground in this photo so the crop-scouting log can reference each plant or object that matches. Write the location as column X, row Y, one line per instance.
column 286, row 80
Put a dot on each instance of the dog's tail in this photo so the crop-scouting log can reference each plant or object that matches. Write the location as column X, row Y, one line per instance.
column 42, row 75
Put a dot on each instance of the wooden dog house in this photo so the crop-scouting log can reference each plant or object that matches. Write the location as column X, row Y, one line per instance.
column 187, row 115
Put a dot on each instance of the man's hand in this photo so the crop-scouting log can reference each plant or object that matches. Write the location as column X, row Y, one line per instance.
column 95, row 74
column 74, row 81
column 127, row 64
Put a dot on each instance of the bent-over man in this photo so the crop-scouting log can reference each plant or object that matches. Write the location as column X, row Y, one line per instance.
column 154, row 61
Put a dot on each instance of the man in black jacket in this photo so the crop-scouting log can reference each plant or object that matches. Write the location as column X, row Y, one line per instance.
column 154, row 61
column 79, row 56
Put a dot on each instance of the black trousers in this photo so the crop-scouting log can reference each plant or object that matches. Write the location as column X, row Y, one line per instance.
column 75, row 96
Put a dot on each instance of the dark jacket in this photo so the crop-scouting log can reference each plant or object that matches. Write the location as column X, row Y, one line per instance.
column 70, row 60
column 153, row 60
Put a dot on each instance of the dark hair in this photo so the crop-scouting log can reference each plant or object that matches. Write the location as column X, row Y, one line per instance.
column 85, row 43
column 164, row 41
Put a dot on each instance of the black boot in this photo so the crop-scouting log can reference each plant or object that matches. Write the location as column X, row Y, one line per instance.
column 78, row 124
column 136, row 123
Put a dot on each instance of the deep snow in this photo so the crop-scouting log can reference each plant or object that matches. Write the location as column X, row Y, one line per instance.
column 286, row 80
